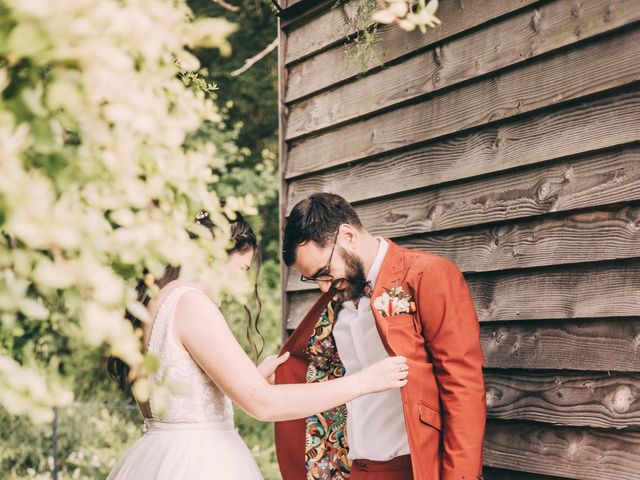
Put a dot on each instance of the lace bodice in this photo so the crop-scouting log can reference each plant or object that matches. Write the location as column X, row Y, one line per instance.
column 194, row 397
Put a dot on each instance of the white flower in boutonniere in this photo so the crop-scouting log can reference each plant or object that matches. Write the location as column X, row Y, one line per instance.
column 394, row 301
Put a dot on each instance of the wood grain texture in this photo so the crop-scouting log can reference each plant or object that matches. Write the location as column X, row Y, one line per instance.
column 328, row 28
column 564, row 292
column 593, row 399
column 595, row 124
column 573, row 452
column 303, row 13
column 532, row 32
column 576, row 291
column 334, row 65
column 597, row 179
column 608, row 344
column 586, row 236
column 282, row 165
column 502, row 474
column 298, row 306
column 568, row 75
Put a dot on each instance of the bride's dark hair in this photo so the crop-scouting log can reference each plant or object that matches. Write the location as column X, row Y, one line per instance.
column 244, row 240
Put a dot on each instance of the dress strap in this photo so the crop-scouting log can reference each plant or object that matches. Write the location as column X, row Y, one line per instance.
column 164, row 315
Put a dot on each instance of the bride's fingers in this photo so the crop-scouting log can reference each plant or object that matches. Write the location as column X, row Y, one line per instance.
column 282, row 358
column 270, row 358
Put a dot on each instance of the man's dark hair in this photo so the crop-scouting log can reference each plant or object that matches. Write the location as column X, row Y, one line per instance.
column 316, row 218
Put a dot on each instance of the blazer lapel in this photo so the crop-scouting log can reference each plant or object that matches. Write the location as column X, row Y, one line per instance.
column 392, row 273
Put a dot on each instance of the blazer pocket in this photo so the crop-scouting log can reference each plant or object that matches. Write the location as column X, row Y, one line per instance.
column 401, row 319
column 430, row 416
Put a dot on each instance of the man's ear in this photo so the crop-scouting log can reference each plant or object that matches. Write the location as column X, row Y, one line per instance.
column 349, row 235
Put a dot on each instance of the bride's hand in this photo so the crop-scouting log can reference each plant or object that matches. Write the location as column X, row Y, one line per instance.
column 267, row 367
column 384, row 375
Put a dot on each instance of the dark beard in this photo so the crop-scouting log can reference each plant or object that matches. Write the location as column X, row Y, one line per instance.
column 354, row 276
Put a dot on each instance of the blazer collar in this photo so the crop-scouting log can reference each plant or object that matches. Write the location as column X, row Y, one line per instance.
column 392, row 271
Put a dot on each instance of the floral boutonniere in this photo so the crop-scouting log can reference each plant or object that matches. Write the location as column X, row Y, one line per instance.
column 394, row 301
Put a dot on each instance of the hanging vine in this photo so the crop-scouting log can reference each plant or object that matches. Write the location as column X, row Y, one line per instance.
column 369, row 14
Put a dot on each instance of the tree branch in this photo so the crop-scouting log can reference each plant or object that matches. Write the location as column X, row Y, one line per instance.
column 227, row 6
column 250, row 62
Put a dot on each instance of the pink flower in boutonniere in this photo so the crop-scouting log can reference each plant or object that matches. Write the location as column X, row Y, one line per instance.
column 394, row 301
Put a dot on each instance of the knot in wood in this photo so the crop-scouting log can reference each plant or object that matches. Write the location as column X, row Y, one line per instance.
column 492, row 396
column 622, row 399
column 535, row 20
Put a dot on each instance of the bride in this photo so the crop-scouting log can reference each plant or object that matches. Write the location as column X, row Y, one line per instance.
column 193, row 436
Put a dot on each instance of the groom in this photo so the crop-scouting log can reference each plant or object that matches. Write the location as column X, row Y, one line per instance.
column 380, row 299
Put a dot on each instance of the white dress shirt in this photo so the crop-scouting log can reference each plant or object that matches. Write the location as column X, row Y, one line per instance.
column 375, row 422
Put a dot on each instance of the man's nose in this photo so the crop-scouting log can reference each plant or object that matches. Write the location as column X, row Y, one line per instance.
column 324, row 285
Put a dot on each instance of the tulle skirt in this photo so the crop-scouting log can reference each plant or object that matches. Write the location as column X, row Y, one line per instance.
column 190, row 451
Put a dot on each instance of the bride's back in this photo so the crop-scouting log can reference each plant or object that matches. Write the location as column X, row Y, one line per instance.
column 193, row 397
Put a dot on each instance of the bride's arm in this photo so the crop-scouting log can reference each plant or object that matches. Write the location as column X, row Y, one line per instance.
column 202, row 329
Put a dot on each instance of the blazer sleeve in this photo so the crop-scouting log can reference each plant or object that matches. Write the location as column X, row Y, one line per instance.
column 452, row 335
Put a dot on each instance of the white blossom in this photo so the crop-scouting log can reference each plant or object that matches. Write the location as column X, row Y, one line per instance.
column 400, row 12
column 95, row 177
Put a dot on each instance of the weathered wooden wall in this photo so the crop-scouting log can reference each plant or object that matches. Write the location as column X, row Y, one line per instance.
column 507, row 140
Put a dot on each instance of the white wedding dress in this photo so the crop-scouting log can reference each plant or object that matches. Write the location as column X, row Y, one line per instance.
column 194, row 437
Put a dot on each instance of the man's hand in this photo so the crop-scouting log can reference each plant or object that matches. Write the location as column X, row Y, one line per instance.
column 267, row 367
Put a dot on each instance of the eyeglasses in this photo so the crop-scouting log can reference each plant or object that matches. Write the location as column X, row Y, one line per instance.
column 324, row 275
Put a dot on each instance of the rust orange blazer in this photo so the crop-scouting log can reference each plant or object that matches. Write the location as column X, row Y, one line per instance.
column 444, row 399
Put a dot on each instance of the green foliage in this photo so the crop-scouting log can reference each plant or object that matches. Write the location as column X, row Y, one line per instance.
column 369, row 14
column 92, row 432
column 362, row 50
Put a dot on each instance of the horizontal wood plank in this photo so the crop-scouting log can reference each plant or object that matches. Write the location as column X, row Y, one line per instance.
column 289, row 3
column 573, row 74
column 501, row 474
column 326, row 29
column 392, row 43
column 574, row 452
column 597, row 179
column 298, row 305
column 593, row 399
column 575, row 291
column 585, row 344
column 531, row 33
column 595, row 124
column 300, row 14
column 586, row 236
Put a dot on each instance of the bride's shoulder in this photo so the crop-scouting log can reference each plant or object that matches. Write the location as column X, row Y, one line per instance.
column 195, row 316
column 196, row 304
